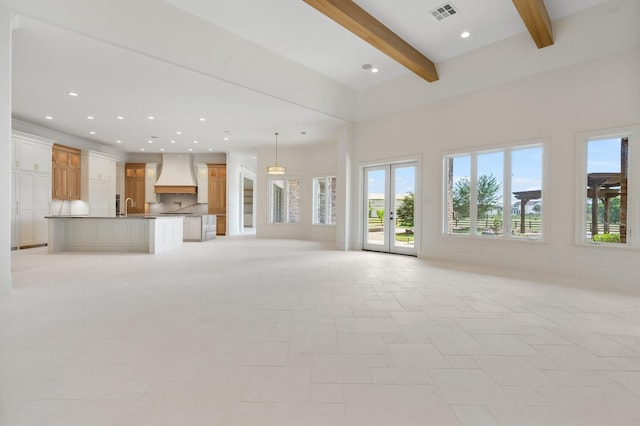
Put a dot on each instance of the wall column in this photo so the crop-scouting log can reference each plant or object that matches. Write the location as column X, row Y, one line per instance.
column 5, row 151
column 344, row 194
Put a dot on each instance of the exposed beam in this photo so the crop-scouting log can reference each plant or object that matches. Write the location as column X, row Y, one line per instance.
column 536, row 18
column 355, row 19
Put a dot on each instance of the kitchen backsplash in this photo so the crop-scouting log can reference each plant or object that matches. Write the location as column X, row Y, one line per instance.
column 178, row 203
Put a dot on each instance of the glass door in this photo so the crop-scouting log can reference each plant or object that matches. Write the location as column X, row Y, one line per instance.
column 390, row 217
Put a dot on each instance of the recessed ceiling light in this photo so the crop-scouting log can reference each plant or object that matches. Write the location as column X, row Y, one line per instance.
column 369, row 67
column 227, row 135
column 150, row 141
column 141, row 149
column 195, row 141
column 74, row 94
column 151, row 117
column 210, row 149
column 178, row 132
column 118, row 141
column 226, row 138
column 92, row 132
column 89, row 117
column 161, row 149
column 254, row 157
column 190, row 149
column 173, row 141
column 48, row 117
column 120, row 117
column 202, row 119
column 465, row 34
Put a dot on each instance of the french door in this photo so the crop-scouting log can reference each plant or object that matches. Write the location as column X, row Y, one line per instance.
column 389, row 213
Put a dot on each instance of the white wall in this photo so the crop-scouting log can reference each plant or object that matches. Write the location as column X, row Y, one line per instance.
column 236, row 163
column 304, row 162
column 5, row 151
column 556, row 105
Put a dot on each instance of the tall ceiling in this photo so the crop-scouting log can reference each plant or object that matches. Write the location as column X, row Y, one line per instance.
column 295, row 30
column 55, row 53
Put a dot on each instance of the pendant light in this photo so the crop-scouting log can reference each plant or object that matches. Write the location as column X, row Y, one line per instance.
column 276, row 169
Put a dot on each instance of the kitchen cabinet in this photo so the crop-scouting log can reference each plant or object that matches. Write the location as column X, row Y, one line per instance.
column 151, row 175
column 99, row 183
column 192, row 228
column 66, row 173
column 199, row 227
column 31, row 189
column 202, row 171
column 134, row 188
column 218, row 196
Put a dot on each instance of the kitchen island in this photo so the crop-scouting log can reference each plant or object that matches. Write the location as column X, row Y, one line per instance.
column 146, row 234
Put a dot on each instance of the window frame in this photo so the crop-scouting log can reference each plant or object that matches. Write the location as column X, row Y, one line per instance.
column 507, row 226
column 632, row 133
column 286, row 179
column 315, row 199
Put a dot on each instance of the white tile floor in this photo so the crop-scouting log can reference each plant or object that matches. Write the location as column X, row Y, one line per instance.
column 239, row 331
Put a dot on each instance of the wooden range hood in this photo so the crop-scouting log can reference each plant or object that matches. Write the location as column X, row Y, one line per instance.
column 176, row 176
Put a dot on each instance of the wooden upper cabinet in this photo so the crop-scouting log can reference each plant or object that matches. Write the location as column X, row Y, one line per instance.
column 134, row 188
column 65, row 184
column 134, row 170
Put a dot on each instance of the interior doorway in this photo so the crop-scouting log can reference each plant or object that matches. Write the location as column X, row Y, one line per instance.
column 248, row 200
column 389, row 208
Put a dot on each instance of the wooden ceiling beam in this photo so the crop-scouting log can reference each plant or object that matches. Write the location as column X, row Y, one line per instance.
column 536, row 18
column 355, row 19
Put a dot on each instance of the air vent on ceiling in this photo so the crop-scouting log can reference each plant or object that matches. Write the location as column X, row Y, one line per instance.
column 443, row 11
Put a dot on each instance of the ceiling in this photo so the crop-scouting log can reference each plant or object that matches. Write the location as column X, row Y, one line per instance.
column 113, row 81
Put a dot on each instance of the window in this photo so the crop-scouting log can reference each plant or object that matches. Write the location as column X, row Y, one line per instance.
column 324, row 200
column 285, row 200
column 477, row 185
column 607, row 191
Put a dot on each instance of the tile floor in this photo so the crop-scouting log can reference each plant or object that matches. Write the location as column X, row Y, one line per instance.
column 239, row 331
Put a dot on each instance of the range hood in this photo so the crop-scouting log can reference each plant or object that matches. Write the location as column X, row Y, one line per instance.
column 176, row 176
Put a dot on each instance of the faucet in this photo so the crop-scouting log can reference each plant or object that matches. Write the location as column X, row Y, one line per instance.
column 133, row 204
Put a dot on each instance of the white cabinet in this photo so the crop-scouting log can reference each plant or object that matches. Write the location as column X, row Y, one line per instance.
column 150, row 177
column 101, row 167
column 99, row 183
column 32, row 155
column 31, row 189
column 192, row 228
column 202, row 171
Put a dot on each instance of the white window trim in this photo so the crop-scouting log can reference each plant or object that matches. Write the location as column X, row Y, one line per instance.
column 633, row 176
column 313, row 194
column 506, row 189
column 270, row 200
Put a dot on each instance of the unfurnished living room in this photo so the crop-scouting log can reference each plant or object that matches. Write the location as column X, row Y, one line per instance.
column 319, row 212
